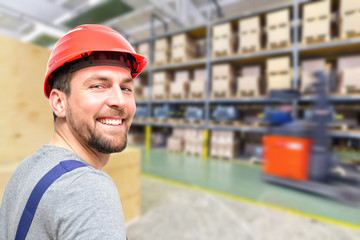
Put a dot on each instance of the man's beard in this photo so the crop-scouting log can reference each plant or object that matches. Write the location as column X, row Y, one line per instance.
column 105, row 146
column 95, row 139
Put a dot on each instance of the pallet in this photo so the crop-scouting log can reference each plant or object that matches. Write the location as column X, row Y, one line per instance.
column 159, row 120
column 160, row 97
column 226, row 123
column 221, row 95
column 246, row 50
column 248, row 94
column 180, row 60
column 279, row 45
column 197, row 95
column 178, row 96
column 345, row 90
column 194, row 122
column 316, row 39
column 175, row 120
column 142, row 120
column 223, row 53
column 342, row 126
column 349, row 35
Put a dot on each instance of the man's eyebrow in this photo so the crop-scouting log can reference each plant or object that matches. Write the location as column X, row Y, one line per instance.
column 105, row 78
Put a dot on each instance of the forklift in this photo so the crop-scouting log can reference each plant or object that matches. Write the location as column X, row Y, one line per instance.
column 298, row 154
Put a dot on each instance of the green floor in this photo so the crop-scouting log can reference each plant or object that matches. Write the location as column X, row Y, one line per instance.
column 243, row 181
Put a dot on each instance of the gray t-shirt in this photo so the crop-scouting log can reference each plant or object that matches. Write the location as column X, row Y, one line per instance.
column 81, row 204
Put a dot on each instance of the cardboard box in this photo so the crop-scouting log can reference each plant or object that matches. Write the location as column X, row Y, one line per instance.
column 349, row 78
column 222, row 79
column 249, row 34
column 316, row 22
column 161, row 77
column 144, row 50
column 222, row 39
column 309, row 67
column 183, row 48
column 349, row 18
column 278, row 29
column 179, row 89
column 160, row 91
column 175, row 144
column 278, row 72
column 161, row 51
column 248, row 84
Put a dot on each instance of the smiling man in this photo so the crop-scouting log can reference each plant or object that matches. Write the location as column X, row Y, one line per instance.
column 60, row 192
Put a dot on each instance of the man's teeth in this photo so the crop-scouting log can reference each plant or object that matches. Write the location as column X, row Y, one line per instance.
column 111, row 121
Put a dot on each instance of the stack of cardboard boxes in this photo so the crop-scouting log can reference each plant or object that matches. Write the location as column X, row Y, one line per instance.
column 223, row 42
column 223, row 80
column 175, row 142
column 179, row 88
column 224, row 144
column 161, row 85
column 349, row 19
column 162, row 52
column 316, row 22
column 278, row 29
column 249, row 35
column 197, row 85
column 183, row 48
column 278, row 71
column 248, row 83
column 308, row 68
column 348, row 69
column 194, row 141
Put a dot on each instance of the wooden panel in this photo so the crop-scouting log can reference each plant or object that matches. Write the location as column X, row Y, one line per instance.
column 124, row 168
column 26, row 121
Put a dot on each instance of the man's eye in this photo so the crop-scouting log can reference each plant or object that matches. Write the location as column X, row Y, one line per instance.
column 97, row 86
column 126, row 89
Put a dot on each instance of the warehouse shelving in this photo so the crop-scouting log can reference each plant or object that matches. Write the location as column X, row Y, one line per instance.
column 296, row 51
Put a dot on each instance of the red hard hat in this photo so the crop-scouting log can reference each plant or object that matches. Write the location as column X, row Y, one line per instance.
column 82, row 41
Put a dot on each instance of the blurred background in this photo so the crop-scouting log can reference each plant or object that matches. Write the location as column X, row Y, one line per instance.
column 247, row 121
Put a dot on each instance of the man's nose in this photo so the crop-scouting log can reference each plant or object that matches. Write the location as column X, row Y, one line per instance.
column 116, row 97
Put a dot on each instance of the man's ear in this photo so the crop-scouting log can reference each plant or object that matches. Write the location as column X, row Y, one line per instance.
column 57, row 102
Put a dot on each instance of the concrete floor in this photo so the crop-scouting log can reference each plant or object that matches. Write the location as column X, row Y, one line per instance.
column 172, row 212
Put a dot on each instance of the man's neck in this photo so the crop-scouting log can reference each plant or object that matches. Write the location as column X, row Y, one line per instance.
column 63, row 138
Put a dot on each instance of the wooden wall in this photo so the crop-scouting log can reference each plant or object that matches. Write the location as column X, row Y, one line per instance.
column 26, row 118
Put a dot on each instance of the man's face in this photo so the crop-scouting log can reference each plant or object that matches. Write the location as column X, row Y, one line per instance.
column 101, row 107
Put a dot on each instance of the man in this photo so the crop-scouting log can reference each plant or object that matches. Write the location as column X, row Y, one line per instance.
column 89, row 83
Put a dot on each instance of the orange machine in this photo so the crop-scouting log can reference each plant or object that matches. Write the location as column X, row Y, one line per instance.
column 287, row 157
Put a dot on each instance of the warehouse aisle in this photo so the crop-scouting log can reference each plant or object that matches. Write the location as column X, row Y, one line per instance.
column 243, row 182
column 173, row 212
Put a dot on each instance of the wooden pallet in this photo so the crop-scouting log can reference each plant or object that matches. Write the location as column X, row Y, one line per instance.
column 223, row 53
column 194, row 122
column 226, row 123
column 247, row 94
column 278, row 45
column 177, row 96
column 316, row 39
column 350, row 34
column 198, row 95
column 140, row 120
column 160, row 97
column 342, row 126
column 345, row 90
column 246, row 50
column 215, row 95
column 160, row 120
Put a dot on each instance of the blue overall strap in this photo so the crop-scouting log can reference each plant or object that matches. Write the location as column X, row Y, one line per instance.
column 39, row 190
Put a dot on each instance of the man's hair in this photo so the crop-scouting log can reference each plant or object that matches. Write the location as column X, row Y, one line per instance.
column 61, row 81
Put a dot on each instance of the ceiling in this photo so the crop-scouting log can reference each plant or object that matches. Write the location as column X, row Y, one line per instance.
column 43, row 21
